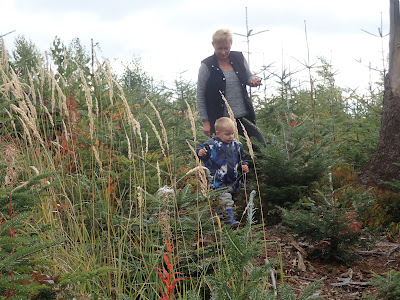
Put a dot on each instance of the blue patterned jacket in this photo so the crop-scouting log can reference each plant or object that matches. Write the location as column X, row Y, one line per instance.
column 224, row 162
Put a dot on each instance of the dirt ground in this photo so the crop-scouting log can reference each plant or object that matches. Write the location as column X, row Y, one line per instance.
column 339, row 281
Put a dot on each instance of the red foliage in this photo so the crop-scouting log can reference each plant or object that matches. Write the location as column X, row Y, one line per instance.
column 167, row 275
column 73, row 110
column 353, row 224
column 343, row 175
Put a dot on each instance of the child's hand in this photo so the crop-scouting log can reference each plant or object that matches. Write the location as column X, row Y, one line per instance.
column 201, row 153
column 245, row 168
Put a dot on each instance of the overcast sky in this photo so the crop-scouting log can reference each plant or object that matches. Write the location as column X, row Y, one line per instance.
column 172, row 36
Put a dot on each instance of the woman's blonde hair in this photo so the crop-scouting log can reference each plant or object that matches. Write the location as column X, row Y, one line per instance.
column 224, row 123
column 222, row 35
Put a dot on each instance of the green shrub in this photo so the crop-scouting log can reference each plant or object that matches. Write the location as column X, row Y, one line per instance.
column 283, row 180
column 390, row 201
column 388, row 286
column 237, row 276
column 333, row 231
column 20, row 268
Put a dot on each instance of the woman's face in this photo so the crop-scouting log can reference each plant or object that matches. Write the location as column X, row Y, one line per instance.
column 222, row 49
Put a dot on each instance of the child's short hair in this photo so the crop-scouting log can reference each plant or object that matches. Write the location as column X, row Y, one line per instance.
column 224, row 123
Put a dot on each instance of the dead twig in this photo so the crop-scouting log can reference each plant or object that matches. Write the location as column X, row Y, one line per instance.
column 353, row 283
column 390, row 252
column 370, row 253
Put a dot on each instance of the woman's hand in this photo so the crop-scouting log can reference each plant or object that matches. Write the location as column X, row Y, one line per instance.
column 245, row 168
column 255, row 81
column 207, row 128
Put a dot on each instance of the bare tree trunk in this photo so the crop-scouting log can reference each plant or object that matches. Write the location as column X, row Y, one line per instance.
column 382, row 167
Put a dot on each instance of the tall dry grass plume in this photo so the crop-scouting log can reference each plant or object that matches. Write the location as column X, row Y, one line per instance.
column 10, row 162
column 251, row 152
column 105, row 193
column 166, row 194
column 164, row 132
column 157, row 135
column 132, row 121
column 89, row 103
column 192, row 122
column 231, row 116
column 204, row 186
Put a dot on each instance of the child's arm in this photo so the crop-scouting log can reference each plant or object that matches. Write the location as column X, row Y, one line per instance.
column 203, row 151
column 243, row 161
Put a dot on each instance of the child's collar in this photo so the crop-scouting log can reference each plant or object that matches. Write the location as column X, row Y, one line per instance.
column 219, row 140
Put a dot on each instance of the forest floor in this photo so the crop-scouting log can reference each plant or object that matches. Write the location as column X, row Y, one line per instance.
column 339, row 281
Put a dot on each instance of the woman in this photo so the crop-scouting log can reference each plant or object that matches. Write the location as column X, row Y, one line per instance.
column 225, row 72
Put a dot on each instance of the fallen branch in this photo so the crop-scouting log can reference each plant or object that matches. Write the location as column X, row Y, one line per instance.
column 349, row 281
column 390, row 252
column 380, row 253
column 370, row 253
column 360, row 283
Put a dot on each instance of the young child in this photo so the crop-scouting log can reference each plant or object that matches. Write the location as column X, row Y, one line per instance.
column 223, row 156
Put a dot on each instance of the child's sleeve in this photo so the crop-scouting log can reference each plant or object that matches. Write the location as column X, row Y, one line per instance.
column 242, row 156
column 206, row 148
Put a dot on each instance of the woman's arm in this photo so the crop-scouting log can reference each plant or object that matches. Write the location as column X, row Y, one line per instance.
column 204, row 74
column 252, row 80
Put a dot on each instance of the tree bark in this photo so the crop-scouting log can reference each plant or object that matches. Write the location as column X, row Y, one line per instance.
column 382, row 165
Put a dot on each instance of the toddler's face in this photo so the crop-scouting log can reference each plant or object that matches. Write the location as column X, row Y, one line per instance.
column 226, row 135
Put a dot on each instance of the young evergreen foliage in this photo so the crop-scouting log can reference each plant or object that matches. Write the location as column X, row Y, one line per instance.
column 285, row 177
column 288, row 178
column 285, row 292
column 388, row 286
column 69, row 61
column 23, row 198
column 391, row 205
column 311, row 292
column 237, row 276
column 21, row 249
column 327, row 227
column 17, row 262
